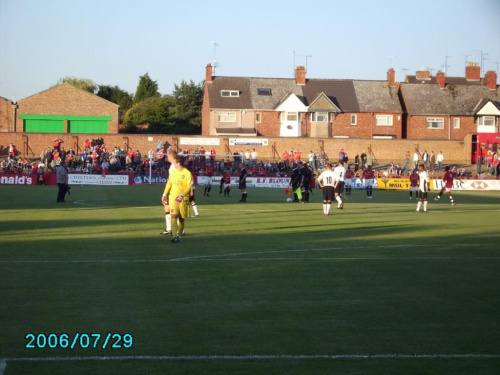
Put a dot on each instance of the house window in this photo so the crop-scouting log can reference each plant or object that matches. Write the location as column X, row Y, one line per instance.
column 289, row 116
column 320, row 117
column 227, row 116
column 383, row 120
column 258, row 117
column 435, row 123
column 487, row 120
column 230, row 93
column 264, row 92
column 354, row 119
column 456, row 123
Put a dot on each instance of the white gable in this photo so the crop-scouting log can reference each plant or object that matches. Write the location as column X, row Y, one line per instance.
column 292, row 104
column 489, row 109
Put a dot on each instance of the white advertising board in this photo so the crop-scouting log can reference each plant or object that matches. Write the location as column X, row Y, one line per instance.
column 97, row 179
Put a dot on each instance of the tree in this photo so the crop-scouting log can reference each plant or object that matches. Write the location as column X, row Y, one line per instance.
column 82, row 83
column 147, row 88
column 188, row 100
column 153, row 111
column 118, row 96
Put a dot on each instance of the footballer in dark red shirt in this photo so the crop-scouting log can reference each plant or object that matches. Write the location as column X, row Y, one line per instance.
column 368, row 176
column 448, row 178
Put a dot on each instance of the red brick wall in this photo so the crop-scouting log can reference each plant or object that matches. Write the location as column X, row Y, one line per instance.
column 417, row 128
column 341, row 125
column 382, row 149
column 269, row 125
column 5, row 115
column 365, row 128
column 67, row 100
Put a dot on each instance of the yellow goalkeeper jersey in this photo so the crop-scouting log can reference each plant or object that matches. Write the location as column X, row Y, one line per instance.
column 179, row 182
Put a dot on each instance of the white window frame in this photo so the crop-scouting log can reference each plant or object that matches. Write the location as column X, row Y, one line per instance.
column 439, row 121
column 323, row 115
column 354, row 120
column 290, row 116
column 258, row 117
column 384, row 120
column 456, row 123
column 227, row 116
column 229, row 93
column 483, row 119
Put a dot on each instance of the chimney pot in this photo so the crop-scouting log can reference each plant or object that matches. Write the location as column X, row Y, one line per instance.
column 440, row 79
column 490, row 79
column 300, row 75
column 473, row 71
column 208, row 73
column 391, row 77
column 424, row 74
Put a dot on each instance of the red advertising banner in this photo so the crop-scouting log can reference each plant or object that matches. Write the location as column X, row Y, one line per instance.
column 18, row 179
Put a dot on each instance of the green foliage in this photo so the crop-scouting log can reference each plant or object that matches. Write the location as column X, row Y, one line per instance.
column 153, row 110
column 118, row 96
column 179, row 113
column 82, row 83
column 147, row 88
column 188, row 100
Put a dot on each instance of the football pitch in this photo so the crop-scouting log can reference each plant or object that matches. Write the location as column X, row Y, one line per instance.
column 263, row 287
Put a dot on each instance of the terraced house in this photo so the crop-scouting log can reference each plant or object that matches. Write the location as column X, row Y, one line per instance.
column 440, row 107
column 287, row 107
column 423, row 107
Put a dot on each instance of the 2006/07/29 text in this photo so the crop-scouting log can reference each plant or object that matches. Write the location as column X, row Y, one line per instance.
column 79, row 340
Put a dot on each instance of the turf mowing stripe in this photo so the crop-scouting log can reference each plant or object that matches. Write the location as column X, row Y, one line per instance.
column 224, row 257
column 208, row 259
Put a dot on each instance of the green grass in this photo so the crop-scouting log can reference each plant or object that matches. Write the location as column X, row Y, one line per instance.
column 268, row 279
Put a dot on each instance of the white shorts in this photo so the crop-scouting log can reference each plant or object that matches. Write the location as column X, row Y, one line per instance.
column 209, row 180
column 413, row 188
column 227, row 185
column 369, row 182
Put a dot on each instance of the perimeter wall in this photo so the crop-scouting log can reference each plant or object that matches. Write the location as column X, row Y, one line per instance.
column 30, row 145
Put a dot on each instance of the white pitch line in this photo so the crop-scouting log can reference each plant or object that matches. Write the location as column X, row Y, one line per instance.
column 340, row 259
column 307, row 250
column 254, row 357
column 4, row 361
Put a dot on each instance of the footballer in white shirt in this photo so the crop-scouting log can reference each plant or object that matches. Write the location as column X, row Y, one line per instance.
column 423, row 188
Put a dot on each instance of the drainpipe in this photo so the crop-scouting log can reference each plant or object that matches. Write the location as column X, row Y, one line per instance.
column 14, row 116
column 449, row 127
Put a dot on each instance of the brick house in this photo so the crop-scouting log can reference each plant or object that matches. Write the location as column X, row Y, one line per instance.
column 287, row 107
column 6, row 114
column 440, row 107
column 66, row 109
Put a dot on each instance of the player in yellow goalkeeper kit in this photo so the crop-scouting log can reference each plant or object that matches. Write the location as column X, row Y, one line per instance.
column 177, row 190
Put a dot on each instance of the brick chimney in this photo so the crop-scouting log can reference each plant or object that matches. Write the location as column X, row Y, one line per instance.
column 473, row 71
column 423, row 74
column 391, row 77
column 490, row 79
column 300, row 75
column 208, row 73
column 440, row 79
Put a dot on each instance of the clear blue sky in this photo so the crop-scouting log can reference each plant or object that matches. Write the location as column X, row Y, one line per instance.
column 113, row 42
